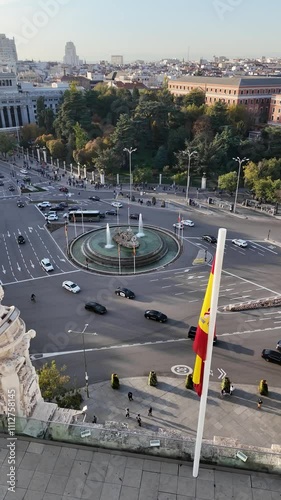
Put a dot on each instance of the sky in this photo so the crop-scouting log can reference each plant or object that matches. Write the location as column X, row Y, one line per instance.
column 149, row 29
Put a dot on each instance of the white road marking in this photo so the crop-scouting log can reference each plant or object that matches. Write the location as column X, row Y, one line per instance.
column 32, row 265
column 264, row 319
column 251, row 283
column 41, row 277
column 261, row 254
column 259, row 330
column 180, row 293
column 8, row 234
column 179, row 284
column 154, row 280
column 167, row 278
column 276, row 322
column 195, row 300
column 167, row 286
column 3, row 270
column 30, row 229
column 18, row 266
column 249, row 320
column 266, row 248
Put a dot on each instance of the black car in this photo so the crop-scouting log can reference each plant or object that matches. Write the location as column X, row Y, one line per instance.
column 26, row 179
column 74, row 208
column 58, row 208
column 95, row 307
column 21, row 239
column 63, row 204
column 1, row 183
column 102, row 215
column 124, row 292
column 111, row 212
column 11, row 188
column 2, row 176
column 156, row 315
column 135, row 216
column 209, row 238
column 94, row 198
column 270, row 355
column 192, row 333
column 20, row 204
column 63, row 189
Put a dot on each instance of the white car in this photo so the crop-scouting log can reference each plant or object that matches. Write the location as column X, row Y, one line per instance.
column 23, row 171
column 178, row 225
column 46, row 264
column 52, row 217
column 240, row 243
column 116, row 204
column 71, row 287
column 44, row 204
column 66, row 215
column 187, row 223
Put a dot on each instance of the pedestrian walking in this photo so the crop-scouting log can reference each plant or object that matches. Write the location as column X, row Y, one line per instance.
column 94, row 421
column 150, row 412
column 259, row 403
column 138, row 417
column 130, row 396
column 231, row 389
column 127, row 413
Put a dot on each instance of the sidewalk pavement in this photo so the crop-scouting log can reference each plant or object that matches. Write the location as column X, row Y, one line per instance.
column 56, row 471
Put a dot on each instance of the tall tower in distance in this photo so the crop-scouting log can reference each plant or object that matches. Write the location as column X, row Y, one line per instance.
column 70, row 57
column 8, row 53
column 117, row 60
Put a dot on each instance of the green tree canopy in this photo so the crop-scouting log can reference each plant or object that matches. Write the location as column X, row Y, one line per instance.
column 52, row 382
column 7, row 143
column 228, row 181
column 195, row 97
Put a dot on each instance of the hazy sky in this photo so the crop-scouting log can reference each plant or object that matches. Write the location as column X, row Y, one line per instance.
column 148, row 29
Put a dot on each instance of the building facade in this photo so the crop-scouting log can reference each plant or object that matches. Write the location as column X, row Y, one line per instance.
column 70, row 56
column 18, row 102
column 255, row 93
column 117, row 60
column 8, row 53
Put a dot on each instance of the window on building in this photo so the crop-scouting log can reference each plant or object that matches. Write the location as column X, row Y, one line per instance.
column 253, row 91
column 234, row 92
column 258, row 91
column 229, row 91
column 278, row 118
column 216, row 90
column 242, row 91
column 272, row 118
column 215, row 99
column 247, row 91
column 246, row 101
column 278, row 110
column 273, row 110
column 225, row 91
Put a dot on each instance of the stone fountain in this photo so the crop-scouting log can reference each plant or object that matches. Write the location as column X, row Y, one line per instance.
column 140, row 232
column 108, row 237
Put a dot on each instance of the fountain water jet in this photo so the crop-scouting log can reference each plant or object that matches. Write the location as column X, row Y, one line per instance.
column 140, row 233
column 108, row 238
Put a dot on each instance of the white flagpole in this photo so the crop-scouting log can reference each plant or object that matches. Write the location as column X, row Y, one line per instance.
column 207, row 364
column 119, row 258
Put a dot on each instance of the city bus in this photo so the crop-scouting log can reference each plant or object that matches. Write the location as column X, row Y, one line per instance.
column 84, row 216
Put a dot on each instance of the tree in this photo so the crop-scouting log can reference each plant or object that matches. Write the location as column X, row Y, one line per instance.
column 161, row 158
column 45, row 116
column 218, row 115
column 228, row 181
column 28, row 134
column 267, row 190
column 52, row 382
column 57, row 149
column 81, row 136
column 7, row 143
column 195, row 97
column 251, row 174
column 124, row 135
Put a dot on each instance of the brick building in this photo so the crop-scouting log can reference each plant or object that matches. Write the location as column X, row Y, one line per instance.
column 255, row 93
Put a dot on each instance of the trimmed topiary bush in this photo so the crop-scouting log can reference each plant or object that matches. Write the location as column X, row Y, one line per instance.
column 263, row 388
column 225, row 385
column 152, row 379
column 114, row 381
column 189, row 382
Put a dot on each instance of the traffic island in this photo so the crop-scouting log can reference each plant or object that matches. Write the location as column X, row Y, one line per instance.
column 254, row 304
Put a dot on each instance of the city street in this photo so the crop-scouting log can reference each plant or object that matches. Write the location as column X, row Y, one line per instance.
column 123, row 341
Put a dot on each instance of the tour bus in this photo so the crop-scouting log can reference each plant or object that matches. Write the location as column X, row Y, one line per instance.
column 84, row 216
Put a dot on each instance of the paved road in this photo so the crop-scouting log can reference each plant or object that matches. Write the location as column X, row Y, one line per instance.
column 124, row 339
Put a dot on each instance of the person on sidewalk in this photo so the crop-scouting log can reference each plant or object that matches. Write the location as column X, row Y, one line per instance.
column 138, row 417
column 150, row 412
column 259, row 403
column 231, row 389
column 127, row 413
column 130, row 396
column 94, row 421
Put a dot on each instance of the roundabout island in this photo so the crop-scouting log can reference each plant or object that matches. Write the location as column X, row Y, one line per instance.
column 125, row 249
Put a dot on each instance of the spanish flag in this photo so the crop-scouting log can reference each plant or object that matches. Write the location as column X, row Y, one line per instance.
column 201, row 337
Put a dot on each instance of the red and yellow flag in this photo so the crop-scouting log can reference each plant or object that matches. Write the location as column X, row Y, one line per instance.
column 201, row 337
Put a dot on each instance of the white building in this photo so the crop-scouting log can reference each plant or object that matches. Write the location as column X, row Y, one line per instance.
column 117, row 60
column 8, row 53
column 18, row 102
column 70, row 57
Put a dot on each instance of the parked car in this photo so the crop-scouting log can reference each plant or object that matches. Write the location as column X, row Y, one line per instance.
column 187, row 222
column 71, row 287
column 192, row 333
column 134, row 216
column 155, row 315
column 94, row 198
column 11, row 188
column 270, row 355
column 111, row 212
column 20, row 204
column 23, row 171
column 52, row 217
column 209, row 238
column 46, row 264
column 44, row 204
column 124, row 292
column 63, row 204
column 116, row 204
column 95, row 307
column 63, row 189
column 21, row 239
column 240, row 243
column 58, row 208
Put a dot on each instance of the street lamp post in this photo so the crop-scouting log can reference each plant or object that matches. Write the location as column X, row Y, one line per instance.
column 85, row 360
column 240, row 162
column 190, row 154
column 130, row 151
